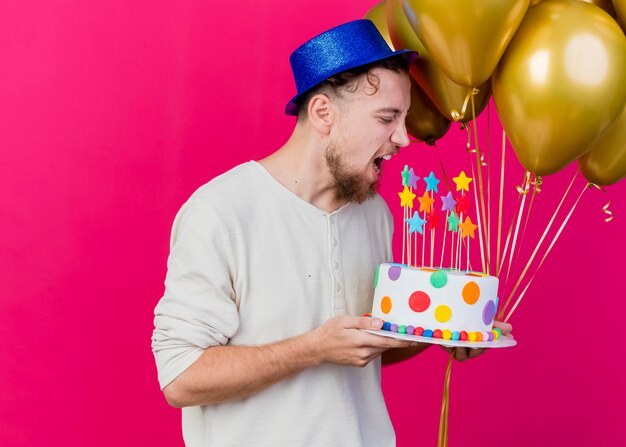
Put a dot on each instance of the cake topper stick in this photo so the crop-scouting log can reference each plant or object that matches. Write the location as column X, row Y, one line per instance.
column 431, row 235
column 404, row 231
column 443, row 244
column 452, row 250
column 415, row 248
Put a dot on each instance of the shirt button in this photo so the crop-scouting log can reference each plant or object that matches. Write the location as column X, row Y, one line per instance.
column 336, row 265
column 334, row 242
column 338, row 287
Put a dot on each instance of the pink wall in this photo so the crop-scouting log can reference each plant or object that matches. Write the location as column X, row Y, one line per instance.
column 112, row 113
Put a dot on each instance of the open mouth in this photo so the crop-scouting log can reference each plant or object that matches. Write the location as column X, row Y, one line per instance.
column 378, row 164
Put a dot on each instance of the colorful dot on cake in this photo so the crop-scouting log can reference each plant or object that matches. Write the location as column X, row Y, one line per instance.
column 443, row 313
column 419, row 331
column 386, row 326
column 489, row 335
column 437, row 333
column 402, row 329
column 410, row 330
column 496, row 333
column 471, row 292
column 427, row 333
column 393, row 328
column 394, row 272
column 419, row 301
column 471, row 336
column 385, row 305
column 439, row 279
column 479, row 336
column 446, row 334
column 489, row 311
column 456, row 335
column 463, row 336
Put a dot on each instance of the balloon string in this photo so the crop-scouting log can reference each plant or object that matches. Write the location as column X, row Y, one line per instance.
column 483, row 209
column 488, row 224
column 443, row 169
column 445, row 404
column 605, row 208
column 479, row 223
column 500, row 203
column 538, row 246
column 524, row 191
column 456, row 116
column 536, row 190
column 556, row 237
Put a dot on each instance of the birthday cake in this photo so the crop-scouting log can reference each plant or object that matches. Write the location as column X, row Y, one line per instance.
column 438, row 303
column 445, row 303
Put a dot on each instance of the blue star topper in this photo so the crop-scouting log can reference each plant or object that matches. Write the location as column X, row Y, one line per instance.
column 431, row 182
column 416, row 223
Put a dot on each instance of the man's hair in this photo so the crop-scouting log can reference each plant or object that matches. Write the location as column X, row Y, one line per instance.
column 348, row 81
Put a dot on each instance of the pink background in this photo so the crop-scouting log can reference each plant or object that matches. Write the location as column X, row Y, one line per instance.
column 113, row 112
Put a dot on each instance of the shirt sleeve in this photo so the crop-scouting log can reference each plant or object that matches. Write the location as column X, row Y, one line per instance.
column 198, row 309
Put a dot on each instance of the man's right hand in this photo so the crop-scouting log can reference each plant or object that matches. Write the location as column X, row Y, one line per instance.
column 341, row 341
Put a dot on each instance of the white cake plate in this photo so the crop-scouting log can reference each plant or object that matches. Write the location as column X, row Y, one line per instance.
column 503, row 342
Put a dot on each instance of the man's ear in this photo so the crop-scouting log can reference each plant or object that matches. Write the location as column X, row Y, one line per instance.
column 321, row 113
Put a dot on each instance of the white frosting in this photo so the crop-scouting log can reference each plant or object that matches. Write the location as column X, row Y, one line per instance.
column 447, row 293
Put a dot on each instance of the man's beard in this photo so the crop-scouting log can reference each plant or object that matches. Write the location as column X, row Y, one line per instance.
column 349, row 186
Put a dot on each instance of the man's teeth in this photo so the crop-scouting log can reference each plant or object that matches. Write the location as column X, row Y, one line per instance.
column 387, row 157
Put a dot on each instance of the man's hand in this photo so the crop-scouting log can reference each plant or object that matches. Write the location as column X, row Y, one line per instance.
column 462, row 354
column 341, row 341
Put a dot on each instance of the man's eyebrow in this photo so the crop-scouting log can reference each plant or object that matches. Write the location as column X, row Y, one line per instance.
column 389, row 110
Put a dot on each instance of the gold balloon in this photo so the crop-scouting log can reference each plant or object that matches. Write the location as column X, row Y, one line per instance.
column 605, row 163
column 400, row 30
column 424, row 121
column 620, row 12
column 607, row 5
column 466, row 38
column 378, row 15
column 448, row 96
column 445, row 94
column 560, row 83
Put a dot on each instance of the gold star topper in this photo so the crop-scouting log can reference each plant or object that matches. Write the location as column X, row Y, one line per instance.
column 462, row 182
column 406, row 197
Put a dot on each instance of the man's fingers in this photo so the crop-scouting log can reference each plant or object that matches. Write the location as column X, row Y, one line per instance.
column 460, row 354
column 473, row 353
column 505, row 328
column 362, row 323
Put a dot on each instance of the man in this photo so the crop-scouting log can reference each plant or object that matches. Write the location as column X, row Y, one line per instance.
column 258, row 336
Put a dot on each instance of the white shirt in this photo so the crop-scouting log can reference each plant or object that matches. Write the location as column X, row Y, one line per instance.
column 252, row 263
